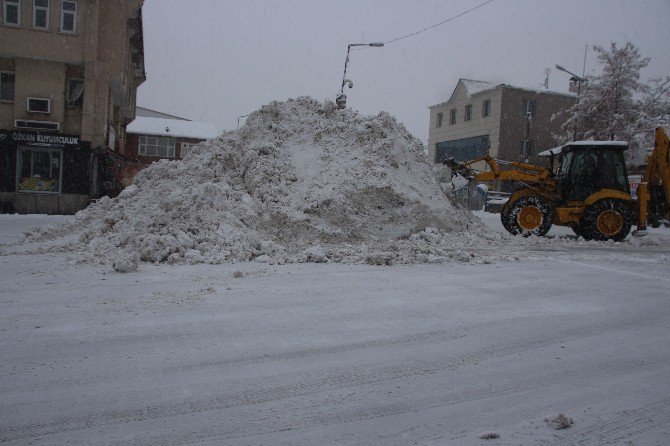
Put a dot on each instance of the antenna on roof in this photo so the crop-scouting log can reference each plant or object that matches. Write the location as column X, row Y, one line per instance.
column 547, row 71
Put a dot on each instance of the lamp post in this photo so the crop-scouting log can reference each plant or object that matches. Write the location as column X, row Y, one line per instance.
column 341, row 99
column 579, row 81
column 574, row 78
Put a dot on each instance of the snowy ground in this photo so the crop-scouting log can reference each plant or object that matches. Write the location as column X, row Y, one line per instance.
column 338, row 354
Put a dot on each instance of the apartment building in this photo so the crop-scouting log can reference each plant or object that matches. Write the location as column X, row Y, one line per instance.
column 504, row 121
column 69, row 72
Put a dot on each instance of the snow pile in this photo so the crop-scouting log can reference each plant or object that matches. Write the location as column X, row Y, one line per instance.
column 300, row 182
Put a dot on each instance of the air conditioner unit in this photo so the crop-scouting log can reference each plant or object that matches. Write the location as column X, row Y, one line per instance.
column 36, row 125
column 39, row 105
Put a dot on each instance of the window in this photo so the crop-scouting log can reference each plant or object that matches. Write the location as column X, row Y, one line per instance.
column 462, row 149
column 39, row 105
column 468, row 112
column 68, row 16
column 486, row 108
column 156, row 146
column 7, row 81
column 75, row 92
column 186, row 148
column 452, row 116
column 11, row 11
column 439, row 120
column 528, row 108
column 39, row 170
column 41, row 14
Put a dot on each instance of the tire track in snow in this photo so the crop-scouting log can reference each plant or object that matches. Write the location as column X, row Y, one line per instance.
column 341, row 379
column 622, row 426
column 615, row 270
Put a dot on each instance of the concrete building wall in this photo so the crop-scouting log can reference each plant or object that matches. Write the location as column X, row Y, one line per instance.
column 542, row 130
column 39, row 79
column 477, row 126
column 106, row 53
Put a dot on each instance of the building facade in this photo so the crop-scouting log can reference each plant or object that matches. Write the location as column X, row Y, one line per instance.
column 69, row 72
column 503, row 121
column 151, row 139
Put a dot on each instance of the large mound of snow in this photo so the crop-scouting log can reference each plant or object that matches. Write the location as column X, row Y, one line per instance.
column 301, row 181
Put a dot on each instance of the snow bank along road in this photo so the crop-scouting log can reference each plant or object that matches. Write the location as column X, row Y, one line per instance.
column 337, row 354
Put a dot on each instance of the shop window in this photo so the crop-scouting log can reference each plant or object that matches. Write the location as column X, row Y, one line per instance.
column 7, row 81
column 68, row 16
column 486, row 108
column 439, row 120
column 462, row 149
column 11, row 12
column 75, row 92
column 39, row 170
column 156, row 146
column 41, row 14
column 468, row 112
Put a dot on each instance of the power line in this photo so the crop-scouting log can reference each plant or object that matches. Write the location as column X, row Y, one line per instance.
column 441, row 23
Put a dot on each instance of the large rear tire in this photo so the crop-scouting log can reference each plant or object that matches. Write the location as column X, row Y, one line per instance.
column 531, row 215
column 606, row 219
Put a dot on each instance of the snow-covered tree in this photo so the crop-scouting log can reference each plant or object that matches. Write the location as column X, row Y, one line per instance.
column 610, row 107
column 654, row 112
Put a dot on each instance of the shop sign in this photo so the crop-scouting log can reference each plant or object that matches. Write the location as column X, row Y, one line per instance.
column 39, row 139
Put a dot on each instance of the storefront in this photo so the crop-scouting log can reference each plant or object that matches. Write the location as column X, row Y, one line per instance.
column 44, row 172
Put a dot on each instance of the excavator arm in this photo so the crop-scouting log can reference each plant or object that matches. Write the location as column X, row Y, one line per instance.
column 654, row 189
column 522, row 172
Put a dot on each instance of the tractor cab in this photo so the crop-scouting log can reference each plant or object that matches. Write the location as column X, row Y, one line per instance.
column 586, row 167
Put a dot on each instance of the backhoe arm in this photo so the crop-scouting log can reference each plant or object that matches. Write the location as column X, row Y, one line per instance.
column 654, row 189
column 522, row 172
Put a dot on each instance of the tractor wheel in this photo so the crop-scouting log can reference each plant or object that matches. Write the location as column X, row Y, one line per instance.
column 528, row 216
column 577, row 230
column 606, row 219
column 503, row 218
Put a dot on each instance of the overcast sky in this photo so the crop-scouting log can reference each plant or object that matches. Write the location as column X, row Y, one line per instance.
column 214, row 60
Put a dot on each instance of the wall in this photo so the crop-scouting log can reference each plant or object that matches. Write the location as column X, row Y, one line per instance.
column 542, row 130
column 477, row 126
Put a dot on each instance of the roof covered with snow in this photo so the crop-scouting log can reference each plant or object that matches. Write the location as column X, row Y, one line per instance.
column 473, row 87
column 622, row 145
column 172, row 127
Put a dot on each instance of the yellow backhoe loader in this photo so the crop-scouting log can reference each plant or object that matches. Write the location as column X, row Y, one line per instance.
column 588, row 191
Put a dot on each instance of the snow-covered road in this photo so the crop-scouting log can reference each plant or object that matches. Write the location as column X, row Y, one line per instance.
column 337, row 354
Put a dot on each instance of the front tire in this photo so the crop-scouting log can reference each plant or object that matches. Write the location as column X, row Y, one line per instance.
column 530, row 215
column 606, row 219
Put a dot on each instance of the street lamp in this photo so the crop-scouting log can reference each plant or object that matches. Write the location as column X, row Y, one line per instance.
column 341, row 99
column 574, row 78
column 579, row 81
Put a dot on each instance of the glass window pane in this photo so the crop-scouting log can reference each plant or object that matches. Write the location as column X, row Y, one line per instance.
column 12, row 14
column 69, row 6
column 7, row 86
column 42, row 3
column 40, row 18
column 68, row 22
